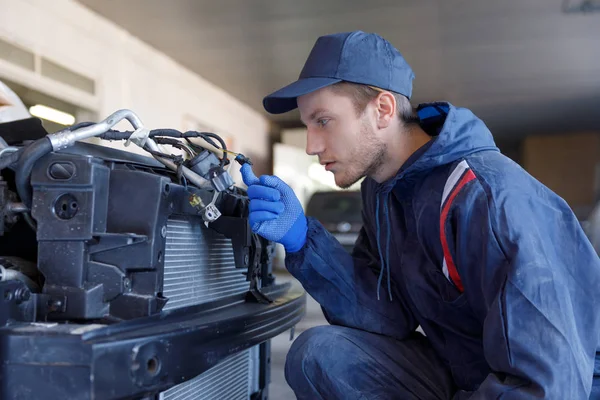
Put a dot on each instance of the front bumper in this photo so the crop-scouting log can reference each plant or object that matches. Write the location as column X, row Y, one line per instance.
column 140, row 357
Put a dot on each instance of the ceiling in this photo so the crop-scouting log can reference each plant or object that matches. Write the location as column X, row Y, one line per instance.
column 524, row 66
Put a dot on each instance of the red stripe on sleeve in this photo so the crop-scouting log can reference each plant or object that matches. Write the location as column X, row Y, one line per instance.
column 467, row 177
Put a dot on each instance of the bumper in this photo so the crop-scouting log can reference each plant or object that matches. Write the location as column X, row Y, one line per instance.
column 139, row 357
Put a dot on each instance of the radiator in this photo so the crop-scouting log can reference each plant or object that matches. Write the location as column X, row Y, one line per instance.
column 235, row 378
column 199, row 265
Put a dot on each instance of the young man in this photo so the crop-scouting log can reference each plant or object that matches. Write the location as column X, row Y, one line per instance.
column 457, row 239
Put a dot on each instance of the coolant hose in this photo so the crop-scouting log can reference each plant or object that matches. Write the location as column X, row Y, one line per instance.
column 28, row 158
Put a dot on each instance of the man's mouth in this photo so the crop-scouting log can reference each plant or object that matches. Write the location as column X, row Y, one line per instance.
column 328, row 165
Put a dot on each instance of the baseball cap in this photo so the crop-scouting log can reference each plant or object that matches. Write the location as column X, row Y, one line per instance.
column 358, row 57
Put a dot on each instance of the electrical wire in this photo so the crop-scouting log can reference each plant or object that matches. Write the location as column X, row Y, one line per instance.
column 202, row 135
column 216, row 144
column 221, row 141
column 25, row 158
column 175, row 143
column 194, row 146
column 210, row 141
column 175, row 158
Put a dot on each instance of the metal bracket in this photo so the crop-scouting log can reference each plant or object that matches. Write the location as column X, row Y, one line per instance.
column 254, row 270
column 139, row 137
column 211, row 213
column 110, row 241
column 65, row 138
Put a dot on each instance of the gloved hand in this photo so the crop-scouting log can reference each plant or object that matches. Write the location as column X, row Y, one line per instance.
column 275, row 212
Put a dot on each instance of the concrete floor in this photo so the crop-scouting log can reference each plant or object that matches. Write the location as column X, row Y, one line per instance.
column 279, row 389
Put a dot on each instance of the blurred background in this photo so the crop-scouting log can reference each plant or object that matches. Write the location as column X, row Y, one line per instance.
column 529, row 68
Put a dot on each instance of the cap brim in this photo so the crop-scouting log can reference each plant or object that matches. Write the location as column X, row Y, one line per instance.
column 285, row 99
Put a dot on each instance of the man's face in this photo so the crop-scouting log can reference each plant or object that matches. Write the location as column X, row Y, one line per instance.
column 346, row 143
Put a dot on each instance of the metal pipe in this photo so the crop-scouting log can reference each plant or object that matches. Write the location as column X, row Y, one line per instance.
column 8, row 150
column 10, row 159
column 66, row 137
column 11, row 274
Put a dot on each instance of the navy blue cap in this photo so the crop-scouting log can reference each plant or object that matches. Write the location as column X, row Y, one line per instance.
column 357, row 57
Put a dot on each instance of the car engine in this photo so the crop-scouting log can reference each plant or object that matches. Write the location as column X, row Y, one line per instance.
column 124, row 276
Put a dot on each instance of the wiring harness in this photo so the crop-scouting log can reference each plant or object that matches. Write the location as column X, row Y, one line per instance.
column 204, row 160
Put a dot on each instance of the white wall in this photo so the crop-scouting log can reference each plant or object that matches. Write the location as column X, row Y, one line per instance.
column 128, row 73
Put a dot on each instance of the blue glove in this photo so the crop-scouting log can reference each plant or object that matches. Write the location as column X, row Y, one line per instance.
column 275, row 212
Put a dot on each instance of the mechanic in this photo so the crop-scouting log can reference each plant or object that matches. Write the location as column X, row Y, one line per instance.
column 457, row 239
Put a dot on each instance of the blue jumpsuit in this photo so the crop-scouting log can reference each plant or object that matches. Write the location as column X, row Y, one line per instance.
column 492, row 265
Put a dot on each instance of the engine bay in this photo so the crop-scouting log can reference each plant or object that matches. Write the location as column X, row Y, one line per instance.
column 122, row 251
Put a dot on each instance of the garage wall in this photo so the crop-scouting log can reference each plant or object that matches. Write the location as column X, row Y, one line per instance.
column 568, row 164
column 127, row 72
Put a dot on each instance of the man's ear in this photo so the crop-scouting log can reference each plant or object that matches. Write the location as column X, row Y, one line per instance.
column 385, row 105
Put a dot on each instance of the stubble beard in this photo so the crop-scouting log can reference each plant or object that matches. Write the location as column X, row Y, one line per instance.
column 366, row 159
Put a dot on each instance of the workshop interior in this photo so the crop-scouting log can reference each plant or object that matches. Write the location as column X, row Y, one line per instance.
column 128, row 267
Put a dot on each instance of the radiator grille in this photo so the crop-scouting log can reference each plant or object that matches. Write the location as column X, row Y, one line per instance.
column 235, row 378
column 199, row 265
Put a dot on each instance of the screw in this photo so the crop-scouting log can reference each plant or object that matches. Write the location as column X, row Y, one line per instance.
column 127, row 283
column 163, row 231
column 54, row 305
column 246, row 259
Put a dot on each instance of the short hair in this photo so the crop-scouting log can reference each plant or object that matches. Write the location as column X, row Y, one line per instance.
column 361, row 95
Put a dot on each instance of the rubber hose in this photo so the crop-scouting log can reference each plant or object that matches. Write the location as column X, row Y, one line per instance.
column 165, row 132
column 30, row 155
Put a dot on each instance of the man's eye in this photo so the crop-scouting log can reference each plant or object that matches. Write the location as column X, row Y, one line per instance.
column 322, row 122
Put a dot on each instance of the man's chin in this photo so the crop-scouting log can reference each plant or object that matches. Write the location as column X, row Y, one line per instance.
column 344, row 182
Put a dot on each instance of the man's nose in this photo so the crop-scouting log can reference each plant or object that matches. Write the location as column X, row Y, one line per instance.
column 314, row 143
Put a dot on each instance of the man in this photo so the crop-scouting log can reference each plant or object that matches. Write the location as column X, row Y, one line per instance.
column 457, row 239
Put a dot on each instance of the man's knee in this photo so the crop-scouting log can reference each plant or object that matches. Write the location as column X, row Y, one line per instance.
column 339, row 362
column 317, row 357
column 309, row 351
